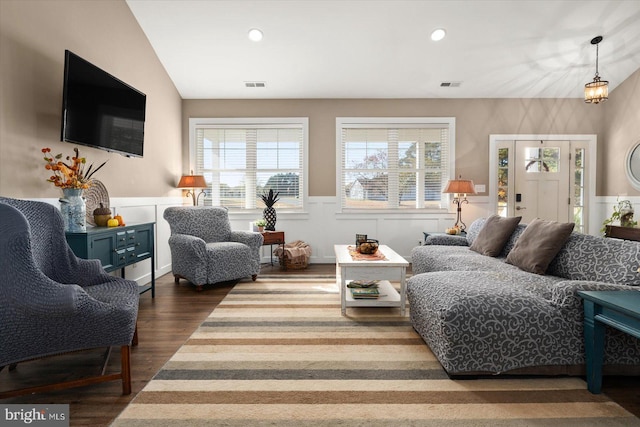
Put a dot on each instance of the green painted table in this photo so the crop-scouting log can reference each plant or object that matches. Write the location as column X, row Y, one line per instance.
column 618, row 309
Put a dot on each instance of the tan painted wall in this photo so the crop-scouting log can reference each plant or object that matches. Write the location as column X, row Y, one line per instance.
column 621, row 132
column 34, row 34
column 476, row 119
column 33, row 37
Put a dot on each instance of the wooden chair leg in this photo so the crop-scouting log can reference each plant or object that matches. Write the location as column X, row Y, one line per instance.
column 254, row 277
column 134, row 341
column 124, row 375
column 125, row 366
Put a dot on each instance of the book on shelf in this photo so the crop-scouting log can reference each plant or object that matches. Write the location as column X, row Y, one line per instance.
column 362, row 293
column 363, row 284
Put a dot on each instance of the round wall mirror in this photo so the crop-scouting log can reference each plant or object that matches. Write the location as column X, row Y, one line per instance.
column 632, row 165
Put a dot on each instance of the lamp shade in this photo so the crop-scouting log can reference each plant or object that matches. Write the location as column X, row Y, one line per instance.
column 460, row 186
column 192, row 181
column 597, row 91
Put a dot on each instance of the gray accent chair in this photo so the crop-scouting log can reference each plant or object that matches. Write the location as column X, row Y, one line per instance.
column 205, row 250
column 54, row 302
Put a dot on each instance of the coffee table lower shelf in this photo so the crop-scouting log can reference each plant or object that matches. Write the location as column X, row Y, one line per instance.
column 389, row 297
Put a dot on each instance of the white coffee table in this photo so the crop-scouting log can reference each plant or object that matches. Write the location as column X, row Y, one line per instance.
column 393, row 268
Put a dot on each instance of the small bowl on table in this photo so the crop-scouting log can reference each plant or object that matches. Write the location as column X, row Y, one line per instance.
column 368, row 247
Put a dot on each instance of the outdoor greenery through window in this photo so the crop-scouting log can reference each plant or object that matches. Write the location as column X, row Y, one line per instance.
column 394, row 163
column 579, row 190
column 242, row 158
column 503, row 181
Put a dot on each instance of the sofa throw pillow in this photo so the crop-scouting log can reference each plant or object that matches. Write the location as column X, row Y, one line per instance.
column 494, row 235
column 539, row 243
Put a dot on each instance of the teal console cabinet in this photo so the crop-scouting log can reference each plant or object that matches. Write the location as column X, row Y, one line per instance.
column 117, row 247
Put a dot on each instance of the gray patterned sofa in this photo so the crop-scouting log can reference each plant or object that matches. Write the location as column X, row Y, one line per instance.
column 481, row 315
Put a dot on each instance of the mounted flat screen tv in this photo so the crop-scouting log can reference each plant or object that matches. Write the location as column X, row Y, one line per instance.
column 100, row 110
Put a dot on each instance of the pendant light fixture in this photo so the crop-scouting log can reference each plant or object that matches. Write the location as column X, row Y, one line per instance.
column 596, row 91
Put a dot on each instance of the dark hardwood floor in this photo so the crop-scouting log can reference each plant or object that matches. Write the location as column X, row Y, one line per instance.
column 164, row 324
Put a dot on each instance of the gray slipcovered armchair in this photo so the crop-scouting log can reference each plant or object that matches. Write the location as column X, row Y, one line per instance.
column 54, row 302
column 205, row 250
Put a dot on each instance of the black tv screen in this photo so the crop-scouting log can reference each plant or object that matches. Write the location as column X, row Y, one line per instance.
column 99, row 110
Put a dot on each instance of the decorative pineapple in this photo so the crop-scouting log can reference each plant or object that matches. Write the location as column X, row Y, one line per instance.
column 269, row 213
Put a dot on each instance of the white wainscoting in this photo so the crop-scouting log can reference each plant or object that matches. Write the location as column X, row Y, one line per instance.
column 321, row 226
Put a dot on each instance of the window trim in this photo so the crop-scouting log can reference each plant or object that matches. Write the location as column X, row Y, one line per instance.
column 199, row 122
column 387, row 122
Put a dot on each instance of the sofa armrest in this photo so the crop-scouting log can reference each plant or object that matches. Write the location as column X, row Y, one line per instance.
column 187, row 245
column 445, row 239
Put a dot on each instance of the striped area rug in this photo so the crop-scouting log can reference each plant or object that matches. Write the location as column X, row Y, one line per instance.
column 278, row 353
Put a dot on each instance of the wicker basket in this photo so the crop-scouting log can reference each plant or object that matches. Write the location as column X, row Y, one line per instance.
column 289, row 262
column 300, row 263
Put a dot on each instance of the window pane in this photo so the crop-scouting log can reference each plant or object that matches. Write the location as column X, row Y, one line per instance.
column 287, row 184
column 239, row 163
column 503, row 157
column 503, row 177
column 432, row 186
column 232, row 189
column 407, row 188
column 433, row 155
column 233, row 155
column 542, row 159
column 403, row 167
column 578, row 177
column 407, row 155
column 366, row 155
column 578, row 194
column 366, row 189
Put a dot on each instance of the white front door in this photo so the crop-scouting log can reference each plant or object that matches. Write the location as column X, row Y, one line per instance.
column 542, row 177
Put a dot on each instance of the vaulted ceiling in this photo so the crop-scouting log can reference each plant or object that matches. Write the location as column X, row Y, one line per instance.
column 383, row 49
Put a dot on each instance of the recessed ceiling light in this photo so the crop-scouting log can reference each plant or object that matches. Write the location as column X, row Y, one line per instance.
column 438, row 34
column 255, row 35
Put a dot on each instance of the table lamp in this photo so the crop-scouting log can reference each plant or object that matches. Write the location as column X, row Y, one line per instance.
column 192, row 182
column 459, row 187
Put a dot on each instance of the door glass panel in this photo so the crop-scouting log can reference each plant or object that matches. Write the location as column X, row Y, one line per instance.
column 503, row 181
column 541, row 159
column 578, row 190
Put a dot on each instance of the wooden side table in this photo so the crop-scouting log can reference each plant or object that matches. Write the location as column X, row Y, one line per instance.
column 618, row 309
column 273, row 238
column 625, row 233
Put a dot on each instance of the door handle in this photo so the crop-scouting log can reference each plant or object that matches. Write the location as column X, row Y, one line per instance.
column 518, row 208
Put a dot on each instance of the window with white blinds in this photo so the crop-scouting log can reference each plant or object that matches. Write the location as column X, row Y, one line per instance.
column 244, row 158
column 394, row 163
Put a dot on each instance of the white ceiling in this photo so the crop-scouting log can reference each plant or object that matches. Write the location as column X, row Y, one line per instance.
column 382, row 49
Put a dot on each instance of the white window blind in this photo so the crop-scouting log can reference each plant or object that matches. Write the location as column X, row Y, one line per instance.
column 386, row 165
column 241, row 161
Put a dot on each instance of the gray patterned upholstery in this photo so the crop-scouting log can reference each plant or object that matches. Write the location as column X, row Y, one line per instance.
column 52, row 301
column 480, row 314
column 205, row 250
